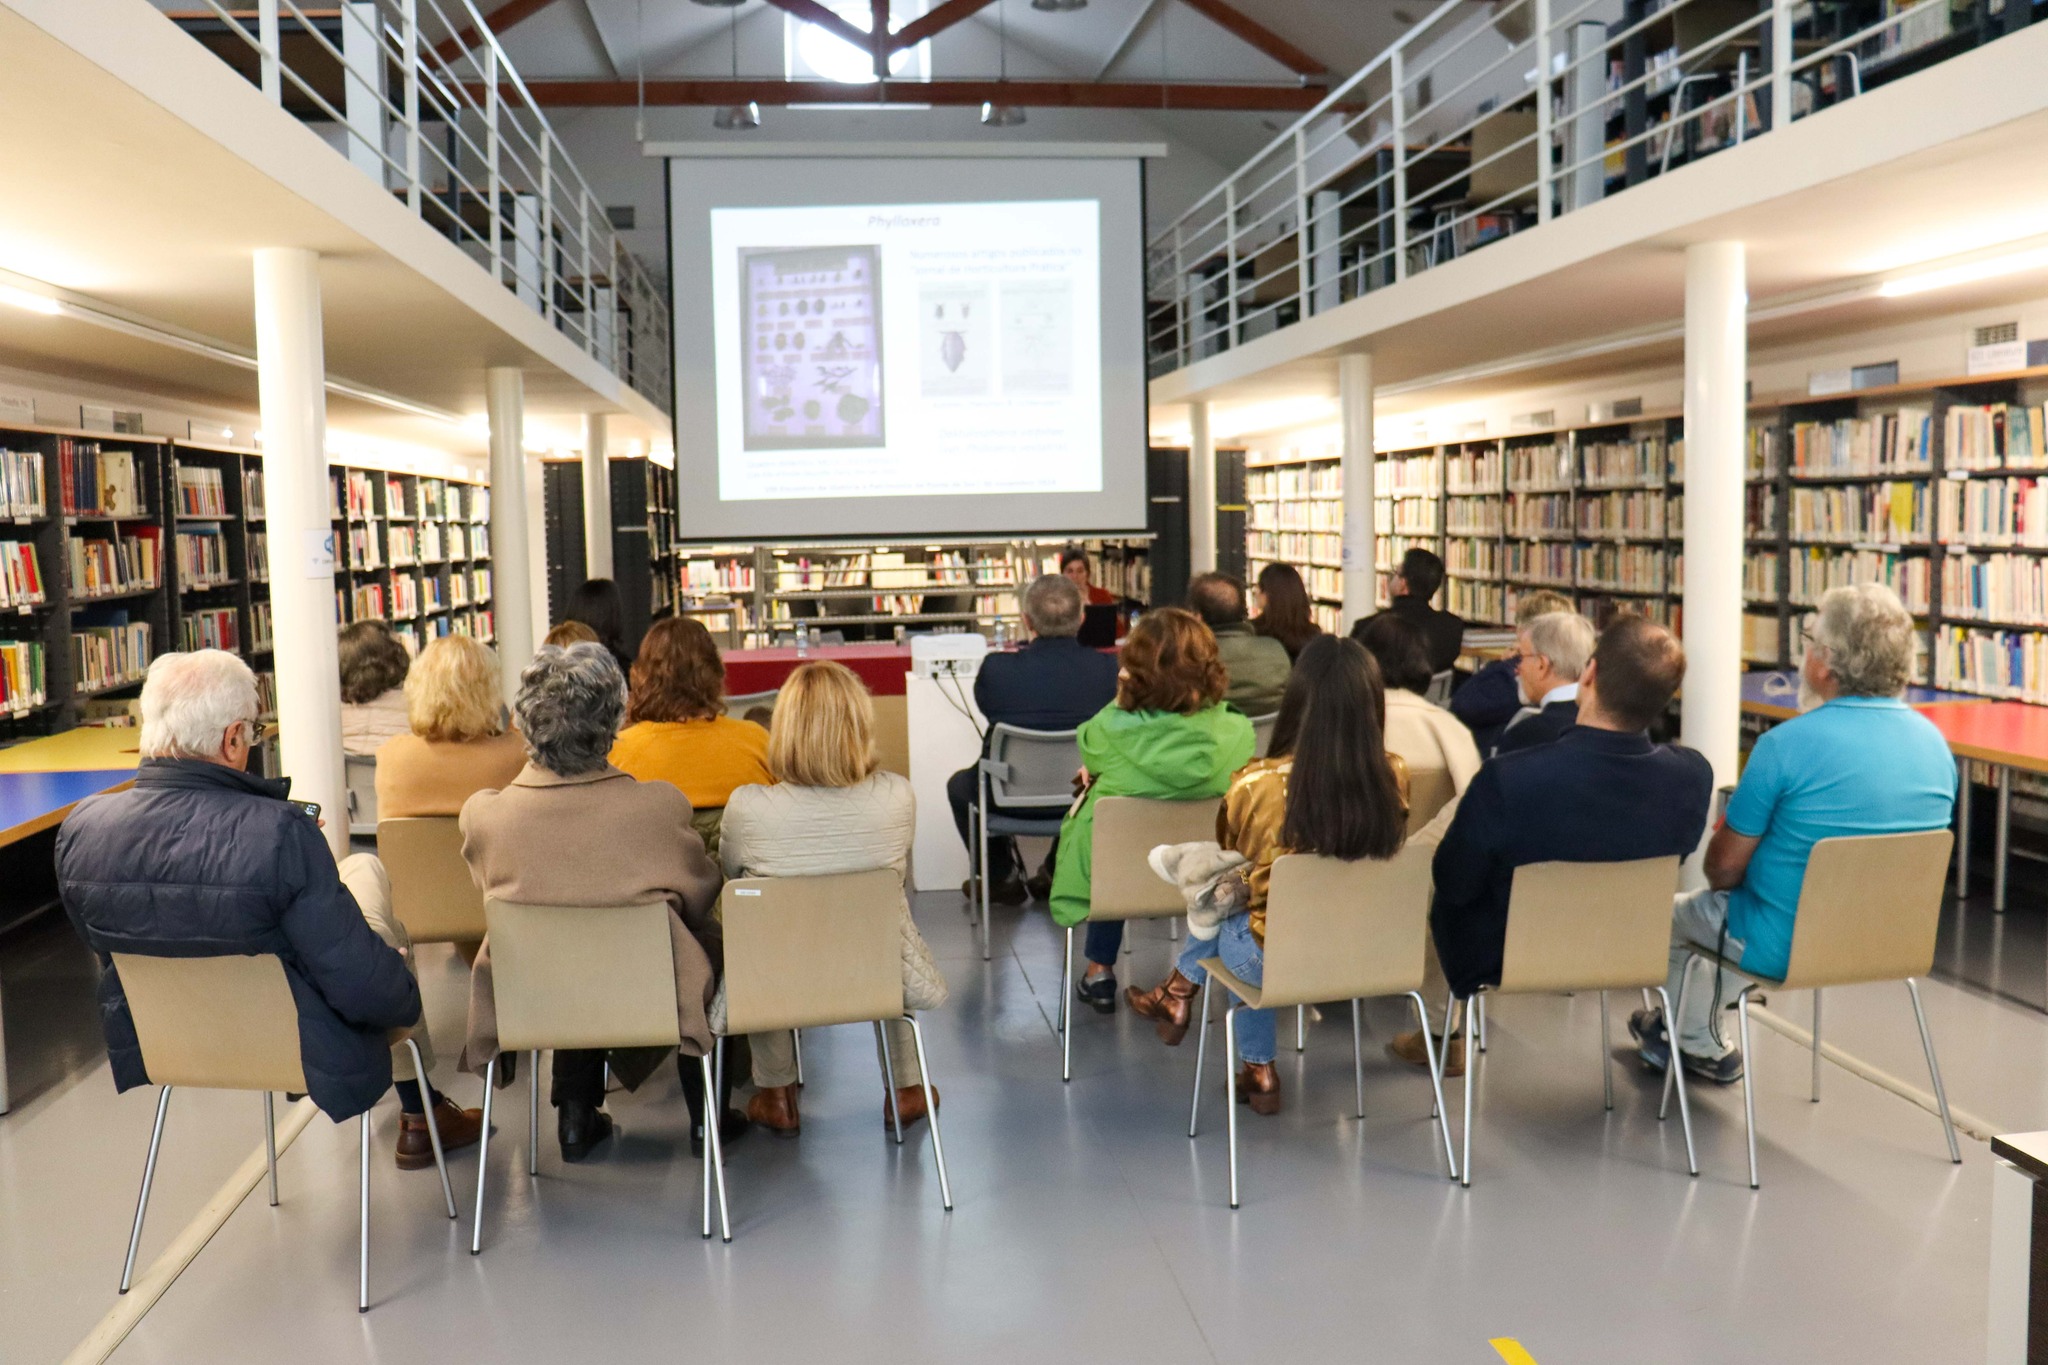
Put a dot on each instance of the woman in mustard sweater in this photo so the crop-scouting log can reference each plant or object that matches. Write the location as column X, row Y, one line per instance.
column 679, row 732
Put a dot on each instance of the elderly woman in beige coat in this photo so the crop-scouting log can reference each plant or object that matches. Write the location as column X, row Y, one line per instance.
column 573, row 830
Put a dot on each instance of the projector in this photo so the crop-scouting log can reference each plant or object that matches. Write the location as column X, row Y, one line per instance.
column 958, row 654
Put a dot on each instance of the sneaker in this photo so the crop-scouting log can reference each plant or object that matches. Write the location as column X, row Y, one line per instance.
column 1098, row 992
column 1004, row 891
column 1039, row 884
column 1647, row 1028
column 1725, row 1069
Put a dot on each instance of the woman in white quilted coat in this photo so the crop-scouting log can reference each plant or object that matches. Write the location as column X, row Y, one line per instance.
column 832, row 809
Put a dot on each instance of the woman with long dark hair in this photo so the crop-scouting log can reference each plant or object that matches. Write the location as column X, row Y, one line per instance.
column 1284, row 612
column 1328, row 786
column 596, row 603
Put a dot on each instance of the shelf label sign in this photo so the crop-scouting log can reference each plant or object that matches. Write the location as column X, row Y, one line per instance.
column 319, row 553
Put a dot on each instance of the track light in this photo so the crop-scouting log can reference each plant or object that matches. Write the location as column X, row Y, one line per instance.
column 49, row 307
column 1058, row 6
column 737, row 118
column 1001, row 115
column 1986, row 268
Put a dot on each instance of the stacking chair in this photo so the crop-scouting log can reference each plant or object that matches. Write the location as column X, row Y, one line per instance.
column 1429, row 791
column 1868, row 910
column 1025, row 770
column 1335, row 930
column 1585, row 927
column 1440, row 684
column 807, row 952
column 229, row 1023
column 360, row 773
column 1262, row 733
column 432, row 893
column 599, row 976
column 737, row 707
column 1122, row 884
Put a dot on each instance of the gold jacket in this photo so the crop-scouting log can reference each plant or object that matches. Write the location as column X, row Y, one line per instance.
column 1251, row 816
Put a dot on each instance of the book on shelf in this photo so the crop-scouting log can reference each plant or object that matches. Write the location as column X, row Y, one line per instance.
column 21, row 577
column 480, row 582
column 395, row 504
column 480, row 542
column 110, row 654
column 365, row 548
column 202, row 492
column 252, row 495
column 261, row 636
column 1899, row 442
column 131, row 561
column 1814, row 569
column 219, row 628
column 1889, row 512
column 1760, row 576
column 1621, row 568
column 257, row 553
column 1999, row 663
column 1539, row 468
column 1470, row 471
column 2007, row 588
column 405, row 597
column 1994, row 511
column 96, row 482
column 366, row 602
column 1621, row 514
column 1536, row 514
column 404, row 545
column 23, row 490
column 266, row 692
column 24, row 675
column 203, row 557
column 1760, row 638
column 1641, row 462
column 432, row 543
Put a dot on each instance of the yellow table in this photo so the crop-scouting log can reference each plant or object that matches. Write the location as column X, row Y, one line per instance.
column 87, row 748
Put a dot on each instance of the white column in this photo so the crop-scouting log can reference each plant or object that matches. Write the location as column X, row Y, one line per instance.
column 597, row 496
column 505, row 402
column 1354, row 409
column 291, row 380
column 1716, row 367
column 1201, row 491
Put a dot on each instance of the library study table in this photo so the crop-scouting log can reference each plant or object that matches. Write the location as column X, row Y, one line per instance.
column 2007, row 736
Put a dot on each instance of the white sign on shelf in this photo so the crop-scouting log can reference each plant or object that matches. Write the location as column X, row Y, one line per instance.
column 2002, row 358
column 319, row 553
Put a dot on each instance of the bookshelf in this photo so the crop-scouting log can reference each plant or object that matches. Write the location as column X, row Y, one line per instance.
column 414, row 550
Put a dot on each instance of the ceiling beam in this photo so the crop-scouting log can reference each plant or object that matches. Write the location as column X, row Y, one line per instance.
column 936, row 21
column 811, row 12
column 1036, row 94
column 879, row 46
column 1249, row 30
column 497, row 21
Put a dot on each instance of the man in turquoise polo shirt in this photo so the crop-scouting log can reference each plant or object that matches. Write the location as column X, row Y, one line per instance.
column 1857, row 761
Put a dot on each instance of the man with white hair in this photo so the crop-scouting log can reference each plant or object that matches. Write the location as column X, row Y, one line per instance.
column 202, row 859
column 1857, row 761
column 1552, row 651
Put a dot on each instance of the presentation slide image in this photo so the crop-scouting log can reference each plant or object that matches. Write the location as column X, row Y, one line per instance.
column 958, row 340
column 1038, row 338
column 813, row 347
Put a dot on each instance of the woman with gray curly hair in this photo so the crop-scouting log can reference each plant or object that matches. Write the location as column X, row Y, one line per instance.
column 573, row 830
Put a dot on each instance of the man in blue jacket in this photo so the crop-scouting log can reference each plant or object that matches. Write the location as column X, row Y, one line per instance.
column 201, row 859
column 1490, row 699
column 1053, row 683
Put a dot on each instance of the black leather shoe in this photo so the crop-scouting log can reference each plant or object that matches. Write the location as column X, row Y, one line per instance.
column 1039, row 884
column 1098, row 992
column 580, row 1128
column 735, row 1127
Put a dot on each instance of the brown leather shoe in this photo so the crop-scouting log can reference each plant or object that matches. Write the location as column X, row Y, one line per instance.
column 459, row 1128
column 1407, row 1047
column 1259, row 1086
column 774, row 1108
column 1169, row 1005
column 909, row 1105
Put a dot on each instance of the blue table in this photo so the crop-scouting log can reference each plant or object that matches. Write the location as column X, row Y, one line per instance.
column 1776, row 694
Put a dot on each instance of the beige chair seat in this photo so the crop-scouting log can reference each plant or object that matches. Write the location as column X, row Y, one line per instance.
column 432, row 892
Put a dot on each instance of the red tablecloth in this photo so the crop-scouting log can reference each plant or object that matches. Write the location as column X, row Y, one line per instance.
column 885, row 668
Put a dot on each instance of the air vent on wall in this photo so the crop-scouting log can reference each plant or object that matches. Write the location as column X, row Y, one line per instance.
column 1999, row 335
column 1531, row 421
column 1628, row 407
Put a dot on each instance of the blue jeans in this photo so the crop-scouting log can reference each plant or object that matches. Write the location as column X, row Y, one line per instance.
column 1104, row 941
column 1700, row 918
column 1245, row 956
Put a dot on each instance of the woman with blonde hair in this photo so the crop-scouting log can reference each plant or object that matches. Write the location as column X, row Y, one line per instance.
column 458, row 743
column 678, row 731
column 831, row 809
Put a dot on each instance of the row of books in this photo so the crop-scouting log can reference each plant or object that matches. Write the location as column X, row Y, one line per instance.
column 1473, row 558
column 365, row 548
column 360, row 603
column 123, row 563
column 1886, row 443
column 24, row 675
column 718, row 576
column 1998, row 663
column 1995, row 436
column 96, row 482
column 1814, row 570
column 405, row 597
column 1625, row 568
column 1760, row 637
column 1644, row 462
column 1473, row 601
column 1537, row 514
column 1409, row 516
column 252, row 495
column 1315, row 481
column 1407, row 476
column 1994, row 512
column 21, row 577
column 24, row 490
column 1472, row 516
column 2004, row 588
column 1541, row 468
column 203, row 558
column 1473, row 471
column 261, row 635
column 404, row 546
column 218, row 628
column 1299, row 547
column 1760, row 576
column 201, row 492
column 110, row 655
column 1387, row 551
column 257, row 552
column 355, row 496
column 1318, row 516
column 1540, row 562
column 1891, row 512
column 1634, row 514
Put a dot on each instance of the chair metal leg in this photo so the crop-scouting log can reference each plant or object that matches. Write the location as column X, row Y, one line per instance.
column 1201, row 1056
column 2001, row 830
column 1962, row 828
column 1174, row 928
column 1671, row 1037
column 1479, row 1014
column 889, row 1082
column 1472, row 1008
column 1606, row 1054
column 156, row 1137
column 1436, row 1081
column 931, row 1111
column 714, row 1149
column 1948, row 1126
column 483, row 1158
column 1067, row 1013
column 1230, row 1091
column 363, row 1218
column 1301, row 1028
column 796, row 1040
column 270, row 1142
column 533, row 1112
column 1748, row 1077
column 419, row 1069
column 981, row 867
column 1677, row 1067
column 1358, row 1053
column 1450, row 1009
column 1816, row 1045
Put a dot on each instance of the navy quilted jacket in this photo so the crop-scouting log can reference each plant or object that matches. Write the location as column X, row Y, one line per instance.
column 197, row 860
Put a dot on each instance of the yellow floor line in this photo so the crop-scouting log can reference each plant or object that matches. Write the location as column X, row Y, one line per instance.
column 1979, row 1128
column 1511, row 1351
column 150, row 1285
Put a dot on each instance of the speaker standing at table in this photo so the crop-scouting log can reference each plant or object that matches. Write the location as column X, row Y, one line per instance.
column 1052, row 683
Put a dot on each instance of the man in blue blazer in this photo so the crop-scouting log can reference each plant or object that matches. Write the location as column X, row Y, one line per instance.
column 1052, row 683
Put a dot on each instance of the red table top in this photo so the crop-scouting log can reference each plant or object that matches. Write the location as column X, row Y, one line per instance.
column 2013, row 734
column 885, row 668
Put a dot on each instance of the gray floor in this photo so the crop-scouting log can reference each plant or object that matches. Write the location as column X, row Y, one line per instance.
column 1087, row 1224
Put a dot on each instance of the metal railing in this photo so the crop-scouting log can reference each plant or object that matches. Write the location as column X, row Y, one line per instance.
column 1480, row 123
column 419, row 96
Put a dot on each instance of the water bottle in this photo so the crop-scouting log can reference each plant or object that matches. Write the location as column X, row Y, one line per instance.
column 803, row 641
column 1002, row 633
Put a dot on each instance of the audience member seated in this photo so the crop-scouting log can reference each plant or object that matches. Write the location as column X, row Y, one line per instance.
column 597, row 604
column 1601, row 793
column 1256, row 667
column 568, row 633
column 571, row 829
column 201, row 858
column 679, row 732
column 1052, row 683
column 1327, row 786
column 1422, row 733
column 1553, row 651
column 373, row 668
column 1488, row 700
column 459, row 743
column 1857, row 760
column 1074, row 567
column 1284, row 611
column 1167, row 736
column 832, row 809
column 1422, row 573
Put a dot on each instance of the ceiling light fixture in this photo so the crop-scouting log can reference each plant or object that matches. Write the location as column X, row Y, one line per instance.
column 1001, row 115
column 737, row 118
column 995, row 115
column 34, row 302
column 1990, row 268
column 1058, row 6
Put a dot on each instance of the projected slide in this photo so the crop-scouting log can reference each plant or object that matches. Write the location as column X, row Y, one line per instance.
column 883, row 350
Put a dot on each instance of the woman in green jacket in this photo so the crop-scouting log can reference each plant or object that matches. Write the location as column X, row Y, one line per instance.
column 1167, row 736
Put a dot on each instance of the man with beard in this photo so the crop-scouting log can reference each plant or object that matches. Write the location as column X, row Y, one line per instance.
column 1857, row 761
